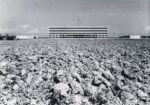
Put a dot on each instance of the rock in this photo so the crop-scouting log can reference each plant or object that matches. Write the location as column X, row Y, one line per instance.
column 116, row 68
column 2, row 85
column 126, row 73
column 77, row 89
column 97, row 81
column 107, row 74
column 126, row 96
column 23, row 71
column 33, row 58
column 96, row 64
column 97, row 73
column 126, row 63
column 84, row 74
column 76, row 76
column 12, row 101
column 3, row 63
column 120, row 83
column 20, row 83
column 105, row 81
column 33, row 102
column 49, row 75
column 16, row 87
column 79, row 100
column 10, row 76
column 29, row 78
column 147, row 70
column 62, row 88
column 112, row 100
column 102, row 88
column 38, row 80
column 3, row 71
column 90, row 90
column 138, row 85
column 60, row 76
column 142, row 95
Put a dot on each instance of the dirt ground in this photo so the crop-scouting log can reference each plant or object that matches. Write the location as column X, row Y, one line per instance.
column 75, row 72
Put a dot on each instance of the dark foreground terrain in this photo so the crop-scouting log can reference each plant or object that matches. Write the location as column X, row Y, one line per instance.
column 75, row 72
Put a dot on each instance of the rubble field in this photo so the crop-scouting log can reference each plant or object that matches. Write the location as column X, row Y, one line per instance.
column 75, row 72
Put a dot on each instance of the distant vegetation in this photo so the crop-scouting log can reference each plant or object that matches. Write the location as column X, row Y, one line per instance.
column 7, row 37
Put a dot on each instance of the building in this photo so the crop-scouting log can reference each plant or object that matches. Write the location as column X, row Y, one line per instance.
column 78, row 32
column 130, row 37
column 135, row 36
column 21, row 37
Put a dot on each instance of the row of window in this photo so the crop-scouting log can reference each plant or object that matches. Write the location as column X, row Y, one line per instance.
column 77, row 36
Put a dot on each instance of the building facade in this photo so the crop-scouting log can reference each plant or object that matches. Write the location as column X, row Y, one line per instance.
column 78, row 32
column 131, row 37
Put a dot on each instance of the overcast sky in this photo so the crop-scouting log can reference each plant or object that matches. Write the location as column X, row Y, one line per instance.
column 34, row 16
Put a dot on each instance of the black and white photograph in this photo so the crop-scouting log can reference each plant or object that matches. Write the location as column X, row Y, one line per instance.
column 74, row 52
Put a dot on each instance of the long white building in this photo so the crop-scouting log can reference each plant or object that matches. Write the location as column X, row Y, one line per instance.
column 78, row 32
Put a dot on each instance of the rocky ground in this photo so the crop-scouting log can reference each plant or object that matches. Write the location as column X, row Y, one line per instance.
column 75, row 72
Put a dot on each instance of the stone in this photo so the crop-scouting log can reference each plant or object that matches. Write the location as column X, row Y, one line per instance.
column 79, row 100
column 33, row 102
column 138, row 85
column 102, row 88
column 105, row 81
column 62, row 89
column 142, row 95
column 96, row 81
column 38, row 80
column 2, row 85
column 126, row 96
column 116, row 68
column 77, row 89
column 3, row 71
column 29, row 78
column 76, row 76
column 60, row 76
column 33, row 58
column 23, row 71
column 93, row 90
column 96, row 64
column 10, row 76
column 107, row 74
column 126, row 73
column 3, row 63
column 12, row 101
column 16, row 87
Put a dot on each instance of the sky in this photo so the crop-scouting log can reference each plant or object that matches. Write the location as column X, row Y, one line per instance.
column 34, row 16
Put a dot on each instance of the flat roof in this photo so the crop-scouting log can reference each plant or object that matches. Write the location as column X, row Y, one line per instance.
column 77, row 27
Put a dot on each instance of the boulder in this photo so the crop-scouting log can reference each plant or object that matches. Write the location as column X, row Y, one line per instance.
column 96, row 81
column 29, row 78
column 76, row 88
column 79, row 100
column 3, row 71
column 16, row 87
column 76, row 76
column 60, row 76
column 62, row 89
column 3, row 63
column 116, row 68
column 23, row 72
column 107, row 74
column 142, row 95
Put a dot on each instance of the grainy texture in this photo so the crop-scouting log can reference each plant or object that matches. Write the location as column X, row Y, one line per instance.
column 75, row 72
